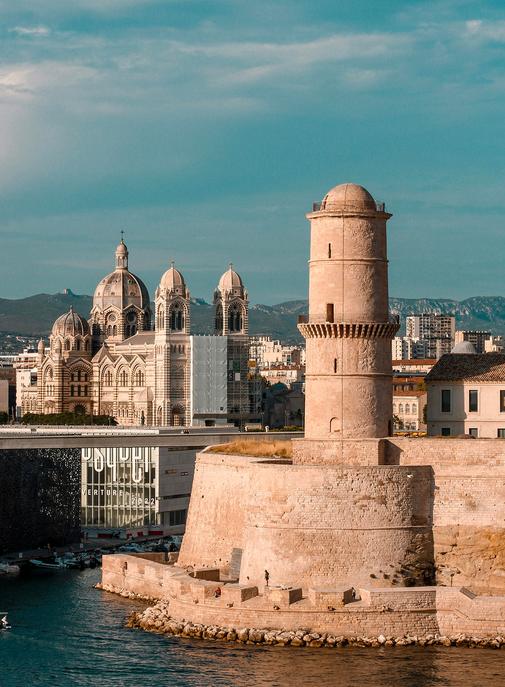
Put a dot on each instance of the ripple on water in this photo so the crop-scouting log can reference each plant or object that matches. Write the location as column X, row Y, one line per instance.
column 68, row 634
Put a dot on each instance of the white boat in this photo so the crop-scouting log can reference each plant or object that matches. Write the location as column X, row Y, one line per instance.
column 46, row 565
column 4, row 621
column 9, row 569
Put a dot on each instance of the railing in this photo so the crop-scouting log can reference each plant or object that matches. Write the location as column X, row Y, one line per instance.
column 321, row 206
column 321, row 319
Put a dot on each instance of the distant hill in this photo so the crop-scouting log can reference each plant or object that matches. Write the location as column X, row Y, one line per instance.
column 34, row 316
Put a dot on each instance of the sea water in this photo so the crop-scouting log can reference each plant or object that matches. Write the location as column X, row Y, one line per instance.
column 66, row 633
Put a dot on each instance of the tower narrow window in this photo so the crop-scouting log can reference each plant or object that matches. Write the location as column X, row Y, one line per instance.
column 335, row 365
column 330, row 316
column 329, row 250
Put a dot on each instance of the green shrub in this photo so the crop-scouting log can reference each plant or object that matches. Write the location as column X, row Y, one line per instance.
column 66, row 419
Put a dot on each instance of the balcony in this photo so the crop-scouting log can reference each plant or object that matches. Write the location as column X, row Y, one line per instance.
column 321, row 319
column 321, row 206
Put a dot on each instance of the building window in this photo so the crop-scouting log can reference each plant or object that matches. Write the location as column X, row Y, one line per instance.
column 177, row 517
column 473, row 432
column 502, row 400
column 445, row 432
column 473, row 401
column 330, row 312
column 71, row 389
column 446, row 400
column 501, row 433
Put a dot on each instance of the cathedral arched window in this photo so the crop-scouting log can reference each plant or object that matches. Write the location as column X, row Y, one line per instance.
column 114, row 330
column 67, row 344
column 400, row 408
column 176, row 318
column 123, row 378
column 219, row 318
column 407, row 409
column 235, row 318
column 161, row 318
column 107, row 378
column 414, row 408
column 139, row 378
column 77, row 344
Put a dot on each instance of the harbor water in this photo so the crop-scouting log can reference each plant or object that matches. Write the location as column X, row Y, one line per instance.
column 65, row 633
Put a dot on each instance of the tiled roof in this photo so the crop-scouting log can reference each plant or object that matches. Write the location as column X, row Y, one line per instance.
column 472, row 367
column 414, row 361
column 414, row 392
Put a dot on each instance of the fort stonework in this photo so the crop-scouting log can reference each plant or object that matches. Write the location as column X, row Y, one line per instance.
column 360, row 533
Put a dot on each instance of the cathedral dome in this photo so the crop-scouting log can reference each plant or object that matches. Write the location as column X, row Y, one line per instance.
column 121, row 288
column 348, row 196
column 172, row 279
column 70, row 324
column 230, row 280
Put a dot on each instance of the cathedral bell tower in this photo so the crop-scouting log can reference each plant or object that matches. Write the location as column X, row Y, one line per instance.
column 171, row 406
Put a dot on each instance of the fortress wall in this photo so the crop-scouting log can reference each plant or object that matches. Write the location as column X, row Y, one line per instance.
column 309, row 524
column 468, row 507
column 345, row 452
column 133, row 574
column 217, row 510
column 312, row 525
column 418, row 611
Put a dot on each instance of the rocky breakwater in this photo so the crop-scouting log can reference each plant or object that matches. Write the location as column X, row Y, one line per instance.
column 157, row 619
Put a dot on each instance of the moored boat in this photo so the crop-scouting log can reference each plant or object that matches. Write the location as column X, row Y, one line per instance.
column 54, row 564
column 9, row 569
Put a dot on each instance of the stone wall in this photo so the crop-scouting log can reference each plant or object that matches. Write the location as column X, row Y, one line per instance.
column 415, row 612
column 310, row 524
column 281, row 516
column 468, row 506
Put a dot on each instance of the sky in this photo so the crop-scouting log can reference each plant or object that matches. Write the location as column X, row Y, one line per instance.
column 205, row 129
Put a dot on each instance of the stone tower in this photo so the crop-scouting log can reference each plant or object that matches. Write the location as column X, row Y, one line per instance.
column 231, row 319
column 348, row 330
column 172, row 350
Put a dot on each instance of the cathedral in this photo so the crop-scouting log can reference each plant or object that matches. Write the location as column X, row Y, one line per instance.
column 143, row 367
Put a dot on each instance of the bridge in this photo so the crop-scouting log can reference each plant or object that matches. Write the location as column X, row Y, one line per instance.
column 43, row 438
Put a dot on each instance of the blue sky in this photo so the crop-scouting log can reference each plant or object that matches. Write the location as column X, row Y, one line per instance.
column 206, row 128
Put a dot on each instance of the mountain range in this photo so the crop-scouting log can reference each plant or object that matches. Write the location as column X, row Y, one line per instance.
column 34, row 315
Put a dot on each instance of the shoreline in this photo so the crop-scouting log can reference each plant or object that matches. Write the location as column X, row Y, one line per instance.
column 156, row 619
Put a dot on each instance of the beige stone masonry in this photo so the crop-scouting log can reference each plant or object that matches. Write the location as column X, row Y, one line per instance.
column 279, row 596
column 237, row 593
column 326, row 597
column 206, row 574
column 415, row 612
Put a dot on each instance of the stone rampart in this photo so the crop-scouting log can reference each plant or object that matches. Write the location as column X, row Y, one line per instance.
column 468, row 499
column 310, row 524
column 350, row 612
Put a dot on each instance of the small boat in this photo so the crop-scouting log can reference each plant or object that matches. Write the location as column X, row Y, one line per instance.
column 57, row 564
column 4, row 621
column 9, row 569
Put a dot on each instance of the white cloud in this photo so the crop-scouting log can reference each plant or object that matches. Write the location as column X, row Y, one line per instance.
column 31, row 30
column 485, row 30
